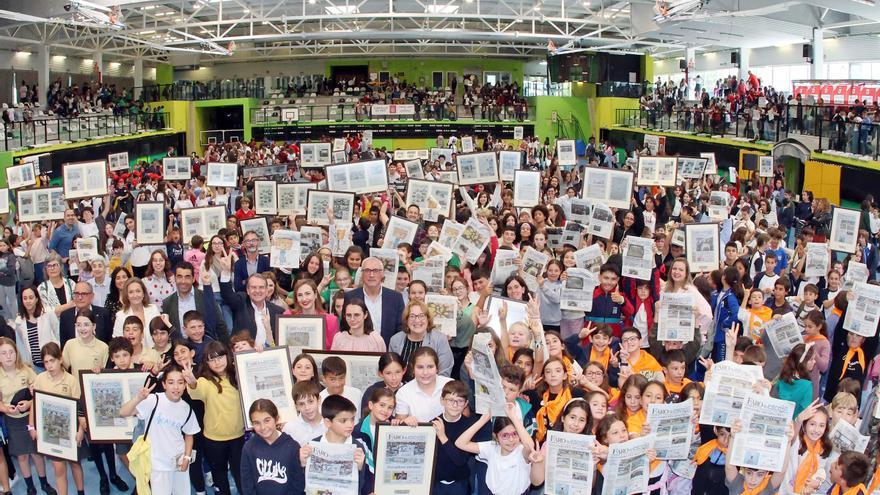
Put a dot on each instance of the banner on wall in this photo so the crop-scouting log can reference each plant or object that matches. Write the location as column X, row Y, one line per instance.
column 391, row 110
column 842, row 92
column 656, row 144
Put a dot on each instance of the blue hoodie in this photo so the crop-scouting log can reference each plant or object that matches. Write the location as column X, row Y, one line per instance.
column 272, row 469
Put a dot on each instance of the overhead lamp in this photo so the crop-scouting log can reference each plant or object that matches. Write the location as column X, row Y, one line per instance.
column 312, row 2
column 23, row 53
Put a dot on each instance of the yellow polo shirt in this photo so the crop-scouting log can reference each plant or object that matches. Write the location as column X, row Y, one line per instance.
column 66, row 385
column 77, row 355
column 12, row 382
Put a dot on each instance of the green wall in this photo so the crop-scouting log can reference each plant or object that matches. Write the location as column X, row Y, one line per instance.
column 416, row 68
column 567, row 108
column 164, row 74
column 647, row 68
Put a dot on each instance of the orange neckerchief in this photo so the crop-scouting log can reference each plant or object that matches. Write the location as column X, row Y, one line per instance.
column 815, row 338
column 645, row 362
column 875, row 480
column 808, row 466
column 551, row 410
column 676, row 389
column 858, row 489
column 602, row 357
column 859, row 354
column 758, row 489
column 566, row 364
column 635, row 421
column 757, row 318
column 706, row 449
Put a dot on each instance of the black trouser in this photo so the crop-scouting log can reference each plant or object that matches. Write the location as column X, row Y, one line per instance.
column 105, row 449
column 224, row 457
column 196, row 472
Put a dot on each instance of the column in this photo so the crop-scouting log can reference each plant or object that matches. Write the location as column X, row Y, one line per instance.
column 744, row 63
column 690, row 59
column 138, row 76
column 817, row 67
column 43, row 81
column 98, row 66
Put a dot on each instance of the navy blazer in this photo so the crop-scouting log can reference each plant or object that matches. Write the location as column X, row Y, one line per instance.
column 243, row 312
column 240, row 274
column 392, row 310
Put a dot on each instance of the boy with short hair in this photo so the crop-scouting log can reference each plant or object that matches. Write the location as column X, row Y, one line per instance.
column 777, row 300
column 512, row 380
column 194, row 329
column 308, row 423
column 776, row 237
column 120, row 353
column 756, row 266
column 339, row 418
column 731, row 254
column 609, row 305
column 674, row 368
column 600, row 347
column 333, row 374
column 768, row 277
column 803, row 305
column 451, row 475
column 849, row 473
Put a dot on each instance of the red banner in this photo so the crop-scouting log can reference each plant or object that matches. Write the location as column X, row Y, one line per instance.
column 838, row 92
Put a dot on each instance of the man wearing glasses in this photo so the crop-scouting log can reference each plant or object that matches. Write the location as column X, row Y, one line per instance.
column 252, row 262
column 385, row 305
column 83, row 294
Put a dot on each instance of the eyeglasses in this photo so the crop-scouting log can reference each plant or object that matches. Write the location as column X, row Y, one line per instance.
column 596, row 374
column 82, row 294
column 456, row 402
column 630, row 340
column 372, row 271
column 508, row 436
column 418, row 317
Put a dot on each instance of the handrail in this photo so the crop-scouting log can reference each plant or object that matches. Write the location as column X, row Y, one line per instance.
column 339, row 112
column 52, row 130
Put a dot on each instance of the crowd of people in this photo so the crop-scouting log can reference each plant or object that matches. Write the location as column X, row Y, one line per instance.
column 71, row 101
column 183, row 310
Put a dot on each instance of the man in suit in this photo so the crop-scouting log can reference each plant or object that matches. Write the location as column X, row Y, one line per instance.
column 82, row 299
column 189, row 298
column 252, row 262
column 251, row 310
column 385, row 305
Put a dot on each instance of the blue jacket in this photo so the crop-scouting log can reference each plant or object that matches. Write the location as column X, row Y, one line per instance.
column 726, row 310
column 240, row 271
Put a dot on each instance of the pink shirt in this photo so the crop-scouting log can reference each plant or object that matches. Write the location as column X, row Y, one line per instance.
column 196, row 257
column 371, row 342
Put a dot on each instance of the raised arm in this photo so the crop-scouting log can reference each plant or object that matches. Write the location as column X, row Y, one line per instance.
column 464, row 441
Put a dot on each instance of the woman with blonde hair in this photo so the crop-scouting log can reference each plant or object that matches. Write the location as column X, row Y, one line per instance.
column 680, row 281
column 418, row 323
column 307, row 301
column 135, row 302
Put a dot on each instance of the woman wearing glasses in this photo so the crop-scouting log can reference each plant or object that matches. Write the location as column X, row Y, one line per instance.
column 56, row 291
column 417, row 332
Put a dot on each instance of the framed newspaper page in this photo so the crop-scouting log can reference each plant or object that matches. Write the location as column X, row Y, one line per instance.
column 56, row 424
column 565, row 152
column 657, row 171
column 477, row 168
column 414, row 169
column 363, row 177
column 19, row 176
column 432, row 197
column 405, row 458
column 222, row 174
column 4, row 200
column 518, row 132
column 399, row 230
column 508, row 163
column 84, row 179
column 844, row 230
column 286, row 250
column 691, row 168
column 339, row 157
column 316, row 154
column 446, row 153
column 302, row 332
column 467, row 144
column 526, row 188
column 765, row 166
column 266, row 197
column 265, row 375
column 204, row 222
column 149, row 220
column 319, row 203
column 43, row 203
column 361, row 366
column 339, row 144
column 118, row 161
column 103, row 395
column 711, row 164
column 176, row 168
column 260, row 226
column 607, row 186
column 292, row 197
column 702, row 246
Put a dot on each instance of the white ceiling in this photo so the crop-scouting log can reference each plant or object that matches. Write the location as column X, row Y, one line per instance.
column 214, row 31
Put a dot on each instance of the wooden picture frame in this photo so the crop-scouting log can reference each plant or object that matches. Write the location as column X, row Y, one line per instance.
column 39, row 204
column 149, row 218
column 433, row 198
column 361, row 367
column 84, row 179
column 266, row 197
column 20, row 176
column 265, row 375
column 56, row 423
column 361, row 177
column 103, row 394
column 309, row 331
column 176, row 168
column 201, row 222
column 118, row 161
column 406, row 458
column 221, row 174
column 477, row 168
column 702, row 246
column 318, row 202
column 609, row 186
column 261, row 227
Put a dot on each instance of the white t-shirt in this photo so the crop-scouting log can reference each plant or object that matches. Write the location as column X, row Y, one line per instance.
column 169, row 425
column 350, row 393
column 302, row 432
column 505, row 474
column 411, row 401
column 767, row 282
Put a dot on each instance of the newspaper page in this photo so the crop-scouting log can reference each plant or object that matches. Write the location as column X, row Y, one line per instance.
column 580, row 210
column 627, row 469
column 450, row 232
column 572, row 234
column 855, row 272
column 719, row 206
column 672, row 429
column 638, row 257
column 601, row 222
column 726, row 390
column 489, row 396
column 863, row 312
column 437, row 249
column 533, row 265
column 405, row 463
column 762, row 442
column 444, row 309
column 431, row 271
column 677, row 321
column 590, row 258
column 516, row 311
column 285, row 251
column 340, row 239
column 577, row 290
column 331, row 469
column 472, row 241
column 503, row 266
column 687, row 468
column 390, row 264
column 569, row 464
column 311, row 239
column 784, row 333
column 845, row 436
column 818, row 259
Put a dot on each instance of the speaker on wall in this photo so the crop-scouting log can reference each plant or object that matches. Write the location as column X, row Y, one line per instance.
column 807, row 50
column 682, row 64
column 734, row 58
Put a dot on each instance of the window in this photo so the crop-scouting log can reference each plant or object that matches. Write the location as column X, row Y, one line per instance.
column 437, row 80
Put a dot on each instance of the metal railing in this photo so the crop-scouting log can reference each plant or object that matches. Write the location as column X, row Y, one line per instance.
column 54, row 130
column 816, row 124
column 340, row 112
column 198, row 90
column 619, row 89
